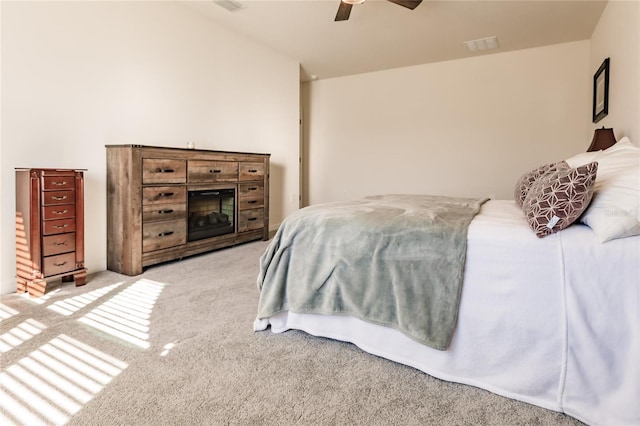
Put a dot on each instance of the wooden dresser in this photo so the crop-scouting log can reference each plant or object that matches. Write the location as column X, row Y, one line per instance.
column 49, row 228
column 159, row 208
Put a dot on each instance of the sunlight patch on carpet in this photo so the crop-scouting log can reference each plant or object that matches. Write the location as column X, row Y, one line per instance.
column 126, row 315
column 73, row 304
column 54, row 382
column 42, row 299
column 6, row 312
column 167, row 348
column 19, row 334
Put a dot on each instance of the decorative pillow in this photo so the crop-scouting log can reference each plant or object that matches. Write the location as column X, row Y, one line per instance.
column 558, row 199
column 615, row 209
column 526, row 180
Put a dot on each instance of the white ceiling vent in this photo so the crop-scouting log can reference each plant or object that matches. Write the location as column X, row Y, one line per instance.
column 488, row 43
column 230, row 5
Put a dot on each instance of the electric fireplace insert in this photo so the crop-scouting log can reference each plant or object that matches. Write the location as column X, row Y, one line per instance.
column 211, row 213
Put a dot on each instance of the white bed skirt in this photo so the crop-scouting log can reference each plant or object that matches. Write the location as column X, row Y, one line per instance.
column 552, row 322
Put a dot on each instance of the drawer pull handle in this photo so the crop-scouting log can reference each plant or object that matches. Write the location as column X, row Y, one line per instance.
column 60, row 226
column 165, row 170
column 253, row 188
column 164, row 234
column 165, row 211
column 64, row 243
column 59, row 212
column 64, row 197
column 165, row 194
column 251, row 219
column 60, row 264
column 215, row 171
column 64, row 182
column 252, row 171
column 252, row 202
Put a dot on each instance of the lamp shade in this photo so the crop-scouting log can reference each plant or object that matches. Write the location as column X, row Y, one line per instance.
column 602, row 139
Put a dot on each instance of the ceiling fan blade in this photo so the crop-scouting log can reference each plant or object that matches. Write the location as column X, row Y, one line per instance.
column 410, row 4
column 344, row 10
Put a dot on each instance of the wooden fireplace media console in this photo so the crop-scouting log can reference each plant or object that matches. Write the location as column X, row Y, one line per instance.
column 149, row 213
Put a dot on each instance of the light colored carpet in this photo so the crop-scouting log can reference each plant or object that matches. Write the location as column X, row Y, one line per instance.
column 175, row 346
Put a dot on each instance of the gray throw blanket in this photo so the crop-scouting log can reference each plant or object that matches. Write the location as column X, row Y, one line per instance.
column 393, row 260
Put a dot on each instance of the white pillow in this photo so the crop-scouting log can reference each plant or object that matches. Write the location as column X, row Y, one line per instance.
column 582, row 159
column 614, row 211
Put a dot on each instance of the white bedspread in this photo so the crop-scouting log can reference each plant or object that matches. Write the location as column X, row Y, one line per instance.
column 554, row 321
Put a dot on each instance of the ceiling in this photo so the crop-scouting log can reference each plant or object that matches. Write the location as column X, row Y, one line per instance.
column 381, row 35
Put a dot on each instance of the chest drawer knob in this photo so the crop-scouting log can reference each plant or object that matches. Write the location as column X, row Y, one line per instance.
column 215, row 171
column 59, row 198
column 55, row 182
column 165, row 170
column 60, row 211
column 165, row 194
column 60, row 226
column 60, row 264
column 165, row 234
column 166, row 211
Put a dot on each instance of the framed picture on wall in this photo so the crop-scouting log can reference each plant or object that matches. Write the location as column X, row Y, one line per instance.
column 601, row 92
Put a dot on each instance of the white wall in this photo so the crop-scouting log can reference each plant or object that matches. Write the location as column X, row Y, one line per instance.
column 467, row 127
column 617, row 36
column 79, row 75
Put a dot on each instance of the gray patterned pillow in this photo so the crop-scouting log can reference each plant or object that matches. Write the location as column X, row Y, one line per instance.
column 526, row 180
column 557, row 199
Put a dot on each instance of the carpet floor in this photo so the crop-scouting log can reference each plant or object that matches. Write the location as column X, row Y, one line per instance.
column 175, row 346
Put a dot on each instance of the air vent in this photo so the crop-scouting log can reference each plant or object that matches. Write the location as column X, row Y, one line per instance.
column 230, row 5
column 488, row 43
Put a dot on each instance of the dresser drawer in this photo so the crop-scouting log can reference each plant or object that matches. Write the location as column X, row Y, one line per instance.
column 212, row 171
column 56, row 183
column 59, row 264
column 60, row 243
column 50, row 227
column 159, row 235
column 62, row 211
column 58, row 197
column 249, row 220
column 160, row 170
column 164, row 195
column 154, row 212
column 251, row 171
column 250, row 196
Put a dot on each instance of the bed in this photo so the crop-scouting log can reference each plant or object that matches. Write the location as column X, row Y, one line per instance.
column 552, row 321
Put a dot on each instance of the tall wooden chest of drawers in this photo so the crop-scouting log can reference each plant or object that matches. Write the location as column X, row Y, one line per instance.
column 49, row 228
column 155, row 207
